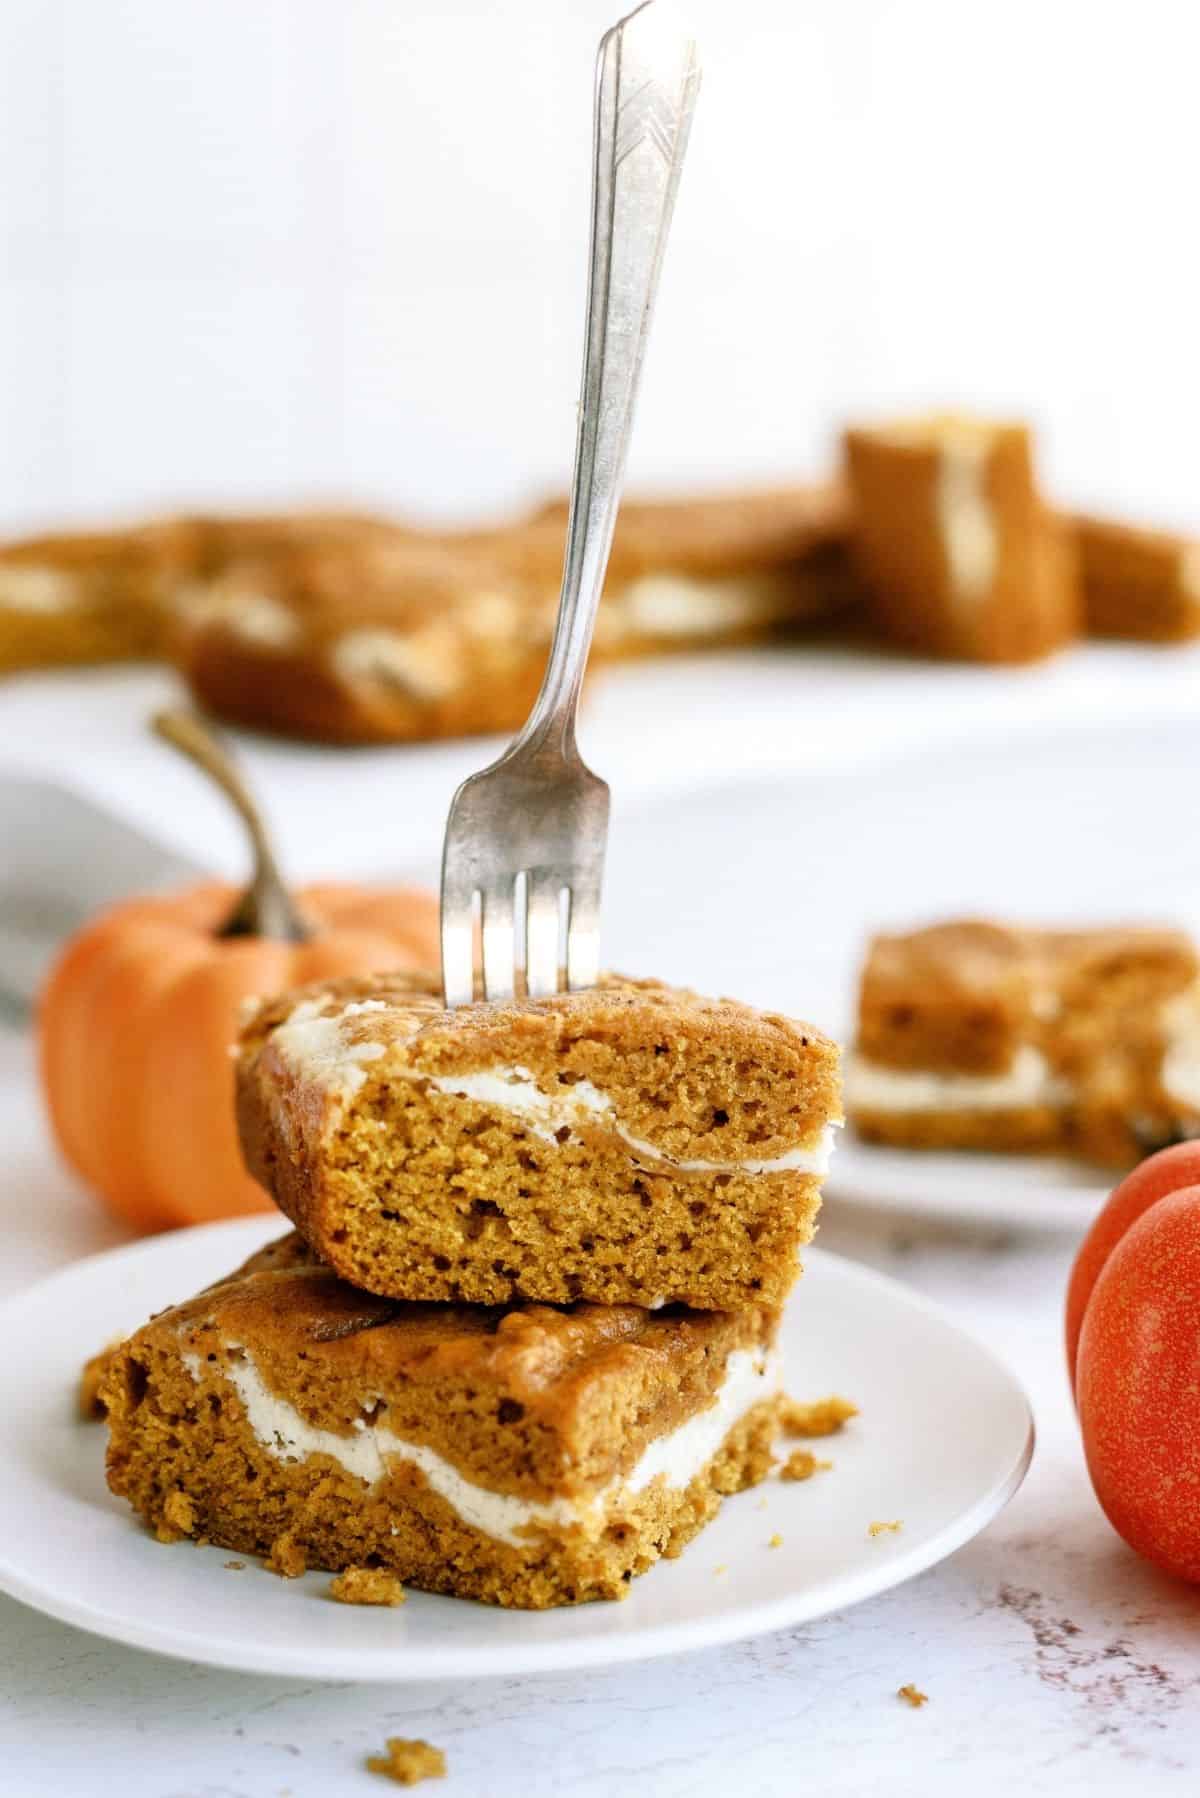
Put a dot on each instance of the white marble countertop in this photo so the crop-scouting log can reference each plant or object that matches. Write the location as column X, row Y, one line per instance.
column 1054, row 1660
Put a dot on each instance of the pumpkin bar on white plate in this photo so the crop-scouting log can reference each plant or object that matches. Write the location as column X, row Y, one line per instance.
column 977, row 1035
column 631, row 1144
column 521, row 1455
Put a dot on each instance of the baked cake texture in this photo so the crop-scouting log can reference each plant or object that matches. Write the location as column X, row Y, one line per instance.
column 957, row 553
column 115, row 595
column 694, row 573
column 631, row 1144
column 371, row 641
column 523, row 1455
column 95, row 596
column 977, row 1035
column 1138, row 583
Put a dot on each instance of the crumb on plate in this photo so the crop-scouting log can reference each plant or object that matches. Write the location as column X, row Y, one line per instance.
column 913, row 1695
column 407, row 1762
column 823, row 1417
column 287, row 1558
column 776, row 1541
column 367, row 1585
column 801, row 1464
column 235, row 1566
column 178, row 1518
column 883, row 1529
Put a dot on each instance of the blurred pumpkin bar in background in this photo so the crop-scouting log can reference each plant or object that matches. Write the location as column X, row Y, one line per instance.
column 974, row 1034
column 347, row 626
column 137, row 1021
column 367, row 640
column 959, row 555
column 1139, row 583
column 703, row 571
column 94, row 596
column 113, row 595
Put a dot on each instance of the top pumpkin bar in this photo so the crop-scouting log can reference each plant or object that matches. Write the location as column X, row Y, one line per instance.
column 632, row 1144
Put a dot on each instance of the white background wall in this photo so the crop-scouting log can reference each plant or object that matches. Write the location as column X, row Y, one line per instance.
column 256, row 248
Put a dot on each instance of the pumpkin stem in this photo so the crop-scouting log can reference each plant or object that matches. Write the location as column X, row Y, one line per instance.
column 266, row 908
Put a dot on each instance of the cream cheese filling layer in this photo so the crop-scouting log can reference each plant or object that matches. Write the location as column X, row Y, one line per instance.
column 428, row 663
column 39, row 591
column 546, row 1114
column 372, row 1452
column 1028, row 1082
column 683, row 606
column 968, row 529
column 313, row 1043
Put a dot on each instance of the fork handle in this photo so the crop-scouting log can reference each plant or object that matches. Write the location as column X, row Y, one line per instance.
column 647, row 76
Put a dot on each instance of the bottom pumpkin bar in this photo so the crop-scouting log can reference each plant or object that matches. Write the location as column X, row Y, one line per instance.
column 523, row 1455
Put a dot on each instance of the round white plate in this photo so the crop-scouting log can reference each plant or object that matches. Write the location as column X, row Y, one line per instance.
column 768, row 886
column 944, row 1439
column 1035, row 1192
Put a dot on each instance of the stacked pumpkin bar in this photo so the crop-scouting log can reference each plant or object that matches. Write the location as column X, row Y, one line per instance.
column 520, row 1343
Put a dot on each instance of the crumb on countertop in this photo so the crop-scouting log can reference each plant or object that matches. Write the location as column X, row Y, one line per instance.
column 407, row 1762
column 366, row 1585
column 178, row 1518
column 801, row 1464
column 287, row 1558
column 913, row 1695
column 823, row 1417
column 884, row 1529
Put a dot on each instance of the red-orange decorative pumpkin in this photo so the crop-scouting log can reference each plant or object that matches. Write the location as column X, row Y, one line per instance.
column 140, row 1013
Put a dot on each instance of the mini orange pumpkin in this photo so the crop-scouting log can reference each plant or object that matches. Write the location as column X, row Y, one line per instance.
column 139, row 1015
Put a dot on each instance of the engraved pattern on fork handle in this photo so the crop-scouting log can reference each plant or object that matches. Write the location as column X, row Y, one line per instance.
column 646, row 82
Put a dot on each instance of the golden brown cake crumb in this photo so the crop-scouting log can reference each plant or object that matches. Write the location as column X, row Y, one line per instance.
column 913, row 1695
column 287, row 1558
column 776, row 1541
column 178, row 1517
column 821, row 1417
column 90, row 1405
column 408, row 1762
column 235, row 1566
column 366, row 1585
column 884, row 1529
column 801, row 1464
column 520, row 1455
column 628, row 1144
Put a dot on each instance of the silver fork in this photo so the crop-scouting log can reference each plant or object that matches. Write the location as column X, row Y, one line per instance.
column 528, row 833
